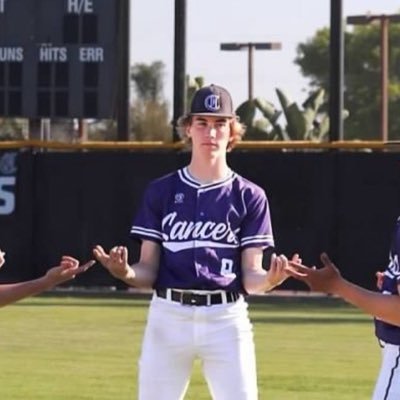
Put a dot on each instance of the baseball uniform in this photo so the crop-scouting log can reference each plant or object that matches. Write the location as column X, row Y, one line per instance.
column 388, row 383
column 198, row 309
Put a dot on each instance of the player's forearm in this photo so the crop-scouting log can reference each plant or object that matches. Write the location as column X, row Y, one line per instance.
column 140, row 275
column 256, row 282
column 384, row 307
column 9, row 293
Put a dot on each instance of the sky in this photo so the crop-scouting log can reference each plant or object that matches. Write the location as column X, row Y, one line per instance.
column 212, row 22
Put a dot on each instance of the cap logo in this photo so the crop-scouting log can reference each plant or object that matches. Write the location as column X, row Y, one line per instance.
column 212, row 102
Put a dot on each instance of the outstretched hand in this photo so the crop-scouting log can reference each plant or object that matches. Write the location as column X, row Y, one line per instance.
column 116, row 262
column 69, row 267
column 323, row 280
column 277, row 272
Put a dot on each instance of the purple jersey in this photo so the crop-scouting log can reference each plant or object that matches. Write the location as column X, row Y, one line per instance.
column 384, row 331
column 202, row 229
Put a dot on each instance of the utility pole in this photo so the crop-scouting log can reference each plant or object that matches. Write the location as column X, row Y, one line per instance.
column 336, row 72
column 179, row 65
column 123, row 108
column 384, row 21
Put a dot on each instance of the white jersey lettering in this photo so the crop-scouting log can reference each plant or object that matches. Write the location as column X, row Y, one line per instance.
column 201, row 230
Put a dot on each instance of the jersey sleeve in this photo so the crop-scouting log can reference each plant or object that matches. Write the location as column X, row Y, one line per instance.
column 147, row 222
column 256, row 230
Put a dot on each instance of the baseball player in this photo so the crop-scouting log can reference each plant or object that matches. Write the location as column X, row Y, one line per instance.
column 388, row 282
column 203, row 230
column 68, row 268
column 384, row 306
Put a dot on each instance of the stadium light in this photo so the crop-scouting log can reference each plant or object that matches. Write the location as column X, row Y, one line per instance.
column 250, row 47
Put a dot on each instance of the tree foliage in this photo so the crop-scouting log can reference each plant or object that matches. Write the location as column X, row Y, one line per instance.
column 308, row 122
column 149, row 120
column 148, row 80
column 362, row 92
column 150, row 111
column 13, row 129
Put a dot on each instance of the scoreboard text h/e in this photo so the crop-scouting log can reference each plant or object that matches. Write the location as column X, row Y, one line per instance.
column 58, row 58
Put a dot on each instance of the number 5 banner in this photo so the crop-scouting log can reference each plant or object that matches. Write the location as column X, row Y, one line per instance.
column 8, row 173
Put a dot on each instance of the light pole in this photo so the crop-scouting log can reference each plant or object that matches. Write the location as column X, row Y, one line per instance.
column 179, row 64
column 336, row 71
column 250, row 47
column 384, row 22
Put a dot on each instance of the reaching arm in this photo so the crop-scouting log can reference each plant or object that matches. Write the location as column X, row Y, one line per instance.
column 384, row 307
column 142, row 274
column 255, row 278
column 68, row 268
column 329, row 280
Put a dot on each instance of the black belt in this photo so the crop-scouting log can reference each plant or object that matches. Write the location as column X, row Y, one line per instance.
column 197, row 299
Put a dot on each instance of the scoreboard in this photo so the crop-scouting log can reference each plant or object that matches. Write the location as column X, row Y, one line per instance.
column 58, row 58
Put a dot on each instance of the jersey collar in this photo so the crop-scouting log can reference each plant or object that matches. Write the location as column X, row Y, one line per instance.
column 191, row 181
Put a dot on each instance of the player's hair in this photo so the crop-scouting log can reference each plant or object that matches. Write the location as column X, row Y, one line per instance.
column 237, row 130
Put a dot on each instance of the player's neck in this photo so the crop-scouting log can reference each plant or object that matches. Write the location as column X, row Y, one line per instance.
column 210, row 172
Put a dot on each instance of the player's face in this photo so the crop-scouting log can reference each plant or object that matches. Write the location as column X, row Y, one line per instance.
column 210, row 134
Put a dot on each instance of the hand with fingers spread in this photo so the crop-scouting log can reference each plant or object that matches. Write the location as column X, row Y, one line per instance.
column 324, row 279
column 277, row 272
column 69, row 267
column 116, row 262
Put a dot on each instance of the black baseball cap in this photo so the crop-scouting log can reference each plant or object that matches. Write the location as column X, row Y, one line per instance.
column 212, row 101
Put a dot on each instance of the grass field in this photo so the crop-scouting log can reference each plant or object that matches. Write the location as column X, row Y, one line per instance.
column 66, row 348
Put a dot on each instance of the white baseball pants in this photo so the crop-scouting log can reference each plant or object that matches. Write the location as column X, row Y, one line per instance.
column 221, row 336
column 387, row 386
